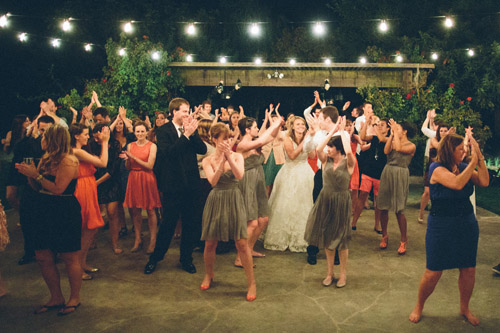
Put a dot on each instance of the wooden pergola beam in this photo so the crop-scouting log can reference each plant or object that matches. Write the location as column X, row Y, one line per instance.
column 352, row 75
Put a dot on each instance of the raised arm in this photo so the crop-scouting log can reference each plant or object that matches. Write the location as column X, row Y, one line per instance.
column 481, row 177
column 101, row 161
column 265, row 138
column 447, row 178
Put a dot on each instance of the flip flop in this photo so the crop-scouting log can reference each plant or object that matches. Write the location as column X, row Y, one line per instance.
column 63, row 312
column 45, row 308
column 241, row 266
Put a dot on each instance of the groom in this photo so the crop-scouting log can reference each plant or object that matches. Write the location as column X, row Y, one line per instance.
column 178, row 143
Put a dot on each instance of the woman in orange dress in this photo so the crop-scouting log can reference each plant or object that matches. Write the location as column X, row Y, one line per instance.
column 86, row 188
column 142, row 191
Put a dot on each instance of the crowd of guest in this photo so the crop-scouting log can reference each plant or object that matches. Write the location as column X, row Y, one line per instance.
column 299, row 184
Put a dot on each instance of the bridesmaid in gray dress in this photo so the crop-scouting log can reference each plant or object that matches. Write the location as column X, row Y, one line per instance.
column 328, row 224
column 224, row 216
column 395, row 180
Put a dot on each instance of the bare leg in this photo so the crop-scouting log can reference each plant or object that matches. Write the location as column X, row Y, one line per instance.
column 251, row 227
column 136, row 214
column 121, row 215
column 209, row 259
column 359, row 207
column 343, row 255
column 424, row 200
column 377, row 215
column 330, row 258
column 153, row 229
column 427, row 285
column 74, row 271
column 87, row 238
column 114, row 221
column 246, row 259
column 11, row 195
column 261, row 225
column 402, row 226
column 384, row 221
column 466, row 282
column 45, row 260
column 354, row 199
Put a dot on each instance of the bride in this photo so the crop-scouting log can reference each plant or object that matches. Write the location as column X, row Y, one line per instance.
column 291, row 199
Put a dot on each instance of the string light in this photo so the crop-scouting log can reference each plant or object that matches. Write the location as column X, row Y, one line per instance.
column 189, row 58
column 399, row 58
column 448, row 22
column 292, row 62
column 362, row 60
column 434, row 56
column 254, row 30
column 328, row 61
column 4, row 20
column 258, row 61
column 222, row 60
column 319, row 29
column 128, row 28
column 23, row 37
column 383, row 27
column 470, row 52
column 88, row 47
column 66, row 25
column 191, row 30
column 122, row 52
column 55, row 42
column 155, row 55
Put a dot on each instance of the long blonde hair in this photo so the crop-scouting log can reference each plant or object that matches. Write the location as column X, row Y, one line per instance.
column 291, row 132
column 58, row 145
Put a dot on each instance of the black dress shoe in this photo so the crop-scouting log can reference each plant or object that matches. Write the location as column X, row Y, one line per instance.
column 26, row 260
column 150, row 267
column 311, row 259
column 188, row 267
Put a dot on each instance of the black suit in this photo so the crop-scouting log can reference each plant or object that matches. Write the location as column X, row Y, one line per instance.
column 181, row 187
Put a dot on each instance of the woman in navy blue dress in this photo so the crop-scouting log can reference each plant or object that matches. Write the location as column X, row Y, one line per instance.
column 452, row 230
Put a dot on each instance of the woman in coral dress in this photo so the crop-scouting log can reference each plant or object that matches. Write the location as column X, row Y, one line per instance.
column 86, row 188
column 142, row 190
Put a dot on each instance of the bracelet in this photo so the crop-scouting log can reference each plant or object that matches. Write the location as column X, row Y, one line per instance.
column 39, row 178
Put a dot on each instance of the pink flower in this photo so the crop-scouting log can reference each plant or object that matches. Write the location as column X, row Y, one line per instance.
column 104, row 80
column 461, row 102
column 168, row 73
column 408, row 96
column 452, row 85
column 469, row 98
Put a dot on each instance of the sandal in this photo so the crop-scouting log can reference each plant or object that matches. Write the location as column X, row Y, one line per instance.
column 45, row 308
column 384, row 242
column 63, row 311
column 402, row 248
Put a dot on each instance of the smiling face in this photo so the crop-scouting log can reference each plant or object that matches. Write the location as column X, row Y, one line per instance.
column 299, row 126
column 160, row 120
column 119, row 126
column 234, row 119
column 140, row 132
column 181, row 114
column 83, row 138
column 443, row 131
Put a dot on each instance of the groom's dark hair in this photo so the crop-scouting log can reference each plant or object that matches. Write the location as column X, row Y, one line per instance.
column 176, row 103
column 330, row 112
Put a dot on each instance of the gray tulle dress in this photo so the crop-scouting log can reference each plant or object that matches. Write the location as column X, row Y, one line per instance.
column 394, row 182
column 224, row 215
column 253, row 187
column 328, row 224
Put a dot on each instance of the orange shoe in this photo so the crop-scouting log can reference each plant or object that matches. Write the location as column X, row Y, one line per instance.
column 402, row 248
column 384, row 242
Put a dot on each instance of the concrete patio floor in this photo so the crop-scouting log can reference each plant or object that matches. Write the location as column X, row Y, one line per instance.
column 380, row 293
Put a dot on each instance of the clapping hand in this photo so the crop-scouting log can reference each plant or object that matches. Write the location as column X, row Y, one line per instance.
column 29, row 170
column 103, row 135
column 147, row 121
column 346, row 105
column 190, row 124
column 122, row 112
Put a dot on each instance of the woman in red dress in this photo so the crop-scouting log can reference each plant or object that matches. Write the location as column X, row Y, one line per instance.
column 142, row 191
column 86, row 188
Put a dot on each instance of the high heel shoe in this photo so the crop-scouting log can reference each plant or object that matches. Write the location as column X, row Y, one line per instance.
column 377, row 231
column 402, row 248
column 91, row 270
column 136, row 248
column 207, row 286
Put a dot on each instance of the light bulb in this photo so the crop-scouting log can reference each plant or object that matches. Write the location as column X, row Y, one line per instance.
column 328, row 61
column 189, row 58
column 254, row 30
column 383, row 26
column 23, row 37
column 128, row 28
column 448, row 22
column 191, row 30
column 55, row 42
column 122, row 52
column 222, row 60
column 362, row 60
column 292, row 62
column 66, row 25
column 470, row 52
column 155, row 55
column 319, row 29
column 258, row 61
column 88, row 47
column 434, row 56
column 4, row 20
column 399, row 58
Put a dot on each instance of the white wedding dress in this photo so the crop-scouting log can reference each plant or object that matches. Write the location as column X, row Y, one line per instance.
column 290, row 203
